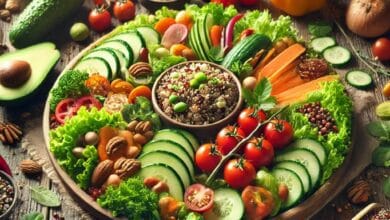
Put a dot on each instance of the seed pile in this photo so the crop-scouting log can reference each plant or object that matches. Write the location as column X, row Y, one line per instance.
column 319, row 117
column 6, row 195
column 313, row 68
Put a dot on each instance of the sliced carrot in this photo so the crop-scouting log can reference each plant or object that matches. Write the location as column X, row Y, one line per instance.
column 177, row 49
column 140, row 91
column 267, row 58
column 305, row 88
column 281, row 61
column 293, row 82
column 290, row 73
column 162, row 25
column 277, row 74
column 216, row 35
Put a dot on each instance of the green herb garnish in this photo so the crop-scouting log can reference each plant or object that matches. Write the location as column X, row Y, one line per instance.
column 320, row 28
column 260, row 97
column 33, row 216
column 380, row 130
column 45, row 196
column 141, row 110
column 241, row 69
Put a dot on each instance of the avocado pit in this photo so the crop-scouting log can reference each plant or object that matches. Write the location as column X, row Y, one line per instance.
column 14, row 73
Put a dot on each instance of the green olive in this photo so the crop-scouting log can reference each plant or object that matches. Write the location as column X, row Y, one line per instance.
column 173, row 99
column 194, row 83
column 162, row 52
column 201, row 77
column 79, row 32
column 383, row 110
column 180, row 107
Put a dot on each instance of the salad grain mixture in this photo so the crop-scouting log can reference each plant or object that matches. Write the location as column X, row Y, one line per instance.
column 198, row 93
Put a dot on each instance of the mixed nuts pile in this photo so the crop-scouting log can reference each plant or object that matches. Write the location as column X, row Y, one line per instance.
column 6, row 194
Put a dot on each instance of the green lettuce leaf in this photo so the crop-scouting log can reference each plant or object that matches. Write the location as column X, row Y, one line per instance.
column 221, row 15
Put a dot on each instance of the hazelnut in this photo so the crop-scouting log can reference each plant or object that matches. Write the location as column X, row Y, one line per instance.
column 78, row 152
column 91, row 138
column 14, row 73
column 139, row 138
column 133, row 152
column 112, row 180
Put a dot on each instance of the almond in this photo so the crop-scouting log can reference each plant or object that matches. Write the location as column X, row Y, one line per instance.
column 102, row 172
column 30, row 167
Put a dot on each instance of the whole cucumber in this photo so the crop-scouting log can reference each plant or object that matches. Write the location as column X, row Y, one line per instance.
column 39, row 18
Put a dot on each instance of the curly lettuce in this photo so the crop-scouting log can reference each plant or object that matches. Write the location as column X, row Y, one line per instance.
column 221, row 15
column 263, row 23
column 130, row 199
column 332, row 97
column 63, row 139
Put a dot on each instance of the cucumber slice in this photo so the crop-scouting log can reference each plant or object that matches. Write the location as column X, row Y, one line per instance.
column 170, row 147
column 228, row 205
column 194, row 42
column 337, row 56
column 121, row 46
column 321, row 43
column 168, row 159
column 300, row 170
column 359, row 79
column 109, row 56
column 150, row 36
column 168, row 175
column 193, row 140
column 177, row 137
column 203, row 27
column 123, row 62
column 305, row 157
column 134, row 40
column 294, row 184
column 94, row 65
column 312, row 145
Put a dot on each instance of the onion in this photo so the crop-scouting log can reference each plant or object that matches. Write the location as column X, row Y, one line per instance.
column 368, row 18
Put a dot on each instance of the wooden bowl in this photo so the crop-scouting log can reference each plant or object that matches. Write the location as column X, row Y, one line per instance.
column 202, row 131
column 154, row 5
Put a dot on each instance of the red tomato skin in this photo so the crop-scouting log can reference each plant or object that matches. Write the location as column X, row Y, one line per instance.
column 381, row 49
column 259, row 152
column 124, row 10
column 279, row 133
column 239, row 177
column 228, row 138
column 248, row 120
column 64, row 109
column 207, row 157
column 248, row 3
column 99, row 20
column 225, row 2
column 258, row 202
column 199, row 188
column 87, row 101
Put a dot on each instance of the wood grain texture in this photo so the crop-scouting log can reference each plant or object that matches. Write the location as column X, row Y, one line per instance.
column 33, row 112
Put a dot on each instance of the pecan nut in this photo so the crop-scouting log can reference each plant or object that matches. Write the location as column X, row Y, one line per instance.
column 125, row 168
column 142, row 131
column 359, row 192
column 10, row 133
column 30, row 167
column 102, row 171
column 115, row 144
column 140, row 69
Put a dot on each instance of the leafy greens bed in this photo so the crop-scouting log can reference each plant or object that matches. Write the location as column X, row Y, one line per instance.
column 291, row 134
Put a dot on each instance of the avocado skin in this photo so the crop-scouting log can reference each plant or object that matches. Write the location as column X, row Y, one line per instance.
column 39, row 18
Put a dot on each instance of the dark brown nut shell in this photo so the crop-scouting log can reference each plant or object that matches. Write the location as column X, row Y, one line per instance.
column 102, row 171
column 115, row 144
column 14, row 74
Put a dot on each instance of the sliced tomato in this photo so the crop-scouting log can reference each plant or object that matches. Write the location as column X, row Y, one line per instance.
column 258, row 202
column 65, row 109
column 199, row 198
column 87, row 101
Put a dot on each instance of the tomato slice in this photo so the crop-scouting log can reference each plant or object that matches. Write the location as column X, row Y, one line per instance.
column 87, row 101
column 258, row 202
column 65, row 109
column 199, row 198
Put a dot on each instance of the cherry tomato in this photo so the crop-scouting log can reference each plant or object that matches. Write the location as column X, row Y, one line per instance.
column 248, row 3
column 228, row 138
column 259, row 152
column 381, row 49
column 225, row 2
column 207, row 157
column 239, row 173
column 124, row 10
column 65, row 109
column 198, row 198
column 246, row 33
column 87, row 101
column 249, row 119
column 99, row 19
column 279, row 133
column 283, row 192
column 258, row 202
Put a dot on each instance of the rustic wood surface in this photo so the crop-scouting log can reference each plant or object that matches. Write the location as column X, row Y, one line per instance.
column 30, row 113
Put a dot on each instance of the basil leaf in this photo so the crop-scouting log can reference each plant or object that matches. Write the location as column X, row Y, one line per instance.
column 45, row 196
column 263, row 90
column 33, row 216
column 380, row 130
column 386, row 187
column 381, row 156
column 320, row 28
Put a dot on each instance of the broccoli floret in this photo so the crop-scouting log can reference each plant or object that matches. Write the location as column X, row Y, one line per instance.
column 70, row 85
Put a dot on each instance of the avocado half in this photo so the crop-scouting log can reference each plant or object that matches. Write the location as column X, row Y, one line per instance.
column 42, row 58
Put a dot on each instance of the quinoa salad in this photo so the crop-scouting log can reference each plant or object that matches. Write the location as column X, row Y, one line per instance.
column 197, row 93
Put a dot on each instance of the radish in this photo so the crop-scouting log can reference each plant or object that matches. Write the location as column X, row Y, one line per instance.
column 175, row 34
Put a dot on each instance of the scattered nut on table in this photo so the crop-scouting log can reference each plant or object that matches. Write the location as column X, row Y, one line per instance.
column 30, row 167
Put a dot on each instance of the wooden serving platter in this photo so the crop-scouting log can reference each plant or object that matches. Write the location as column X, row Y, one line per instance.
column 357, row 159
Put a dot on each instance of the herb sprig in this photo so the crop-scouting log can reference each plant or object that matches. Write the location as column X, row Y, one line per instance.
column 260, row 97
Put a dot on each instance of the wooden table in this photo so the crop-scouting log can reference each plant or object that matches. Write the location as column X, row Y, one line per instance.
column 31, row 113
